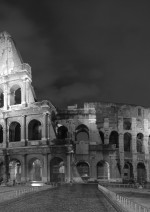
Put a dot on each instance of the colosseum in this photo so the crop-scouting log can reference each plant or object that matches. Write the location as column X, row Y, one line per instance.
column 99, row 142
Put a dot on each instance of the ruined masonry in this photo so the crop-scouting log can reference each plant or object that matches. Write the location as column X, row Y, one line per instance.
column 99, row 142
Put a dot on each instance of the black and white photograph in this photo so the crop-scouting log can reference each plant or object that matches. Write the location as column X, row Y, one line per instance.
column 74, row 106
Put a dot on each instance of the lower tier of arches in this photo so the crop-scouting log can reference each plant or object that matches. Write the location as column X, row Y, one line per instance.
column 65, row 168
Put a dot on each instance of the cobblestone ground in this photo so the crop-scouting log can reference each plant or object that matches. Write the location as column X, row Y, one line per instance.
column 66, row 198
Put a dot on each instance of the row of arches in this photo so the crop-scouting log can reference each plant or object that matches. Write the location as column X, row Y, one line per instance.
column 128, row 172
column 15, row 96
column 82, row 134
column 34, row 131
column 103, row 171
column 57, row 167
column 127, row 138
column 15, row 170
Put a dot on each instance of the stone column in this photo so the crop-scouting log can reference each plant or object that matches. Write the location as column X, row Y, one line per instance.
column 134, row 156
column 8, row 97
column 24, row 169
column 44, row 177
column 93, row 168
column 23, row 93
column 146, row 152
column 5, row 97
column 48, row 126
column 121, row 153
column 23, row 129
column 68, row 168
column 5, row 141
column 6, row 166
column 44, row 129
column 145, row 144
column 106, row 130
column 27, row 90
column 26, row 131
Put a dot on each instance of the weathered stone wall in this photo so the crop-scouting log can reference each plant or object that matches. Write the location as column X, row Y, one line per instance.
column 108, row 117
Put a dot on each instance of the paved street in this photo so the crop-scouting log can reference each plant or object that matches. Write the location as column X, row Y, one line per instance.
column 75, row 198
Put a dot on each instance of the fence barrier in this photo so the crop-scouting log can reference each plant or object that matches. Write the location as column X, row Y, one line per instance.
column 15, row 193
column 123, row 203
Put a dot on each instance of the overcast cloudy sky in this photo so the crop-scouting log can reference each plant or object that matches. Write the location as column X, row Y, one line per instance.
column 83, row 50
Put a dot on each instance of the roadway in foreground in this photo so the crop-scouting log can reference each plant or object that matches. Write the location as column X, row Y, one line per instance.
column 66, row 198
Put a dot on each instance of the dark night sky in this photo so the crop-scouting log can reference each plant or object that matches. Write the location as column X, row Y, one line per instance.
column 83, row 50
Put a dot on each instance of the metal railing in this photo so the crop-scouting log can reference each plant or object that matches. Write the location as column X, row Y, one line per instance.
column 122, row 203
column 18, row 192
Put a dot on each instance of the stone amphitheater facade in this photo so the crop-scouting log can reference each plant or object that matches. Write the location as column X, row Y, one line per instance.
column 101, row 141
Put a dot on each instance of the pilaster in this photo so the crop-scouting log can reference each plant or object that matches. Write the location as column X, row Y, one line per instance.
column 45, row 177
column 121, row 152
column 23, row 129
column 23, row 93
column 5, row 96
column 24, row 169
column 44, row 129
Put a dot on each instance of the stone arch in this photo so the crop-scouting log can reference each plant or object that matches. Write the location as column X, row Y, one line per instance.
column 127, row 142
column 139, row 142
column 15, row 170
column 14, row 131
column 141, row 172
column 35, row 169
column 83, row 169
column 62, row 132
column 101, row 136
column 15, row 95
column 55, row 164
column 82, row 133
column 1, row 134
column 1, row 98
column 128, row 171
column 114, row 138
column 103, row 170
column 34, row 130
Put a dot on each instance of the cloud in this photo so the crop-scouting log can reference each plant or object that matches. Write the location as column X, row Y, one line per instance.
column 95, row 51
column 33, row 48
column 74, row 93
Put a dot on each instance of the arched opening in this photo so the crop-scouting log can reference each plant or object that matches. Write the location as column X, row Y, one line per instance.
column 62, row 132
column 113, row 138
column 35, row 170
column 103, row 172
column 127, row 142
column 34, row 130
column 82, row 133
column 15, row 95
column 15, row 171
column 14, row 132
column 139, row 142
column 1, row 134
column 57, row 170
column 1, row 98
column 141, row 173
column 128, row 172
column 83, row 169
column 101, row 136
